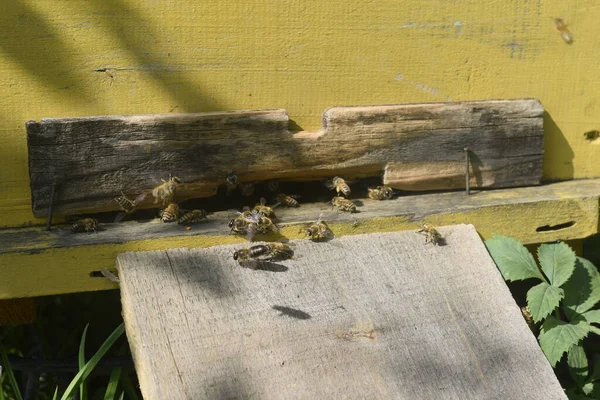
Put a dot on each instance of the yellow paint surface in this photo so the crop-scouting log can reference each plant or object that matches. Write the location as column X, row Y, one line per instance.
column 68, row 270
column 82, row 58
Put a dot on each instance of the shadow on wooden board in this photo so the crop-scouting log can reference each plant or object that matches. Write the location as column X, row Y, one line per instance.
column 554, row 139
column 382, row 315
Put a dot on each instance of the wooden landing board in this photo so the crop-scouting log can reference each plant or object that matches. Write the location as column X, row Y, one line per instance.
column 415, row 147
column 361, row 317
column 35, row 262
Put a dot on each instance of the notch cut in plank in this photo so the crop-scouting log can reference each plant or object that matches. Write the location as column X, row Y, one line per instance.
column 366, row 316
column 414, row 146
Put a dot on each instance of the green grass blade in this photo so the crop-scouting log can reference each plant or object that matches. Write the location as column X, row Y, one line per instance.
column 2, row 397
column 9, row 372
column 55, row 397
column 128, row 387
column 122, row 396
column 81, row 359
column 91, row 364
column 113, row 384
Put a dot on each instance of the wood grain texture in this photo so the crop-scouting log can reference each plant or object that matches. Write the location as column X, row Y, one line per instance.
column 366, row 316
column 419, row 146
column 123, row 57
column 35, row 262
column 572, row 202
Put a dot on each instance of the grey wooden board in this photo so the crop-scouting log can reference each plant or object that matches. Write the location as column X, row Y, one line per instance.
column 414, row 147
column 442, row 323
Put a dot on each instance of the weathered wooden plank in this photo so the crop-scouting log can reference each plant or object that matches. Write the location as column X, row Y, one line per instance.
column 413, row 209
column 366, row 316
column 34, row 262
column 418, row 146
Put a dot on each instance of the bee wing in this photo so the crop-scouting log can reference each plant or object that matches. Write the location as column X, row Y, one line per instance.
column 328, row 234
column 329, row 184
column 295, row 196
column 139, row 198
column 263, row 201
column 120, row 216
column 251, row 231
column 319, row 219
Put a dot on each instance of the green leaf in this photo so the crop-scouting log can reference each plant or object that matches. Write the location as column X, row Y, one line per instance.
column 542, row 299
column 557, row 337
column 591, row 389
column 582, row 290
column 128, row 387
column 122, row 396
column 557, row 261
column 514, row 261
column 91, row 364
column 9, row 372
column 592, row 316
column 113, row 383
column 81, row 359
column 595, row 375
column 578, row 364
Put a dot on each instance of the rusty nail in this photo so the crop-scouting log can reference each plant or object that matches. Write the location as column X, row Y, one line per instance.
column 50, row 209
column 467, row 172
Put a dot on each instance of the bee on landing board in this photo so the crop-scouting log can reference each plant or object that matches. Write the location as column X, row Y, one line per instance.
column 85, row 225
column 318, row 230
column 381, row 193
column 166, row 190
column 192, row 217
column 339, row 185
column 288, row 201
column 170, row 213
column 431, row 234
column 263, row 209
column 565, row 33
column 343, row 204
column 264, row 252
column 127, row 205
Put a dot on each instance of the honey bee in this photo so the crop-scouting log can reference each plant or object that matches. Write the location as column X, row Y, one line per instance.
column 192, row 217
column 85, row 225
column 245, row 223
column 318, row 230
column 343, row 204
column 565, row 33
column 170, row 213
column 238, row 224
column 264, row 209
column 339, row 185
column 127, row 205
column 165, row 191
column 381, row 193
column 247, row 189
column 265, row 224
column 431, row 234
column 526, row 312
column 288, row 201
column 232, row 182
column 264, row 252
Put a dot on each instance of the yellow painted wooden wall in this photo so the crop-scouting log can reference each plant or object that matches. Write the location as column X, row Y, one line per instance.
column 95, row 57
